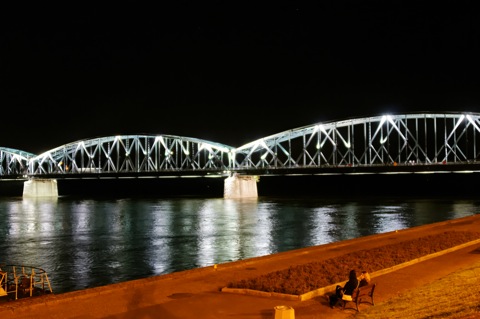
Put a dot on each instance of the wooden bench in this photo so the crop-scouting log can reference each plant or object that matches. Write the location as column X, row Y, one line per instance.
column 361, row 295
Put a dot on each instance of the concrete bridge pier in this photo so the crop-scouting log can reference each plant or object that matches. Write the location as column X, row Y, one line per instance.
column 240, row 186
column 35, row 188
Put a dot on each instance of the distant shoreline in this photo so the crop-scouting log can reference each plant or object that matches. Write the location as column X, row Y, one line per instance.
column 395, row 185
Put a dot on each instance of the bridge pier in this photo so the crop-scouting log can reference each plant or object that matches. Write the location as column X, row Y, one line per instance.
column 40, row 188
column 240, row 186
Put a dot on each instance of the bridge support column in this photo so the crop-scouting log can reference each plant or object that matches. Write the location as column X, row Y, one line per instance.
column 240, row 186
column 40, row 188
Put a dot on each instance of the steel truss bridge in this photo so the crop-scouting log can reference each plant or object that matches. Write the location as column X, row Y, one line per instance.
column 387, row 143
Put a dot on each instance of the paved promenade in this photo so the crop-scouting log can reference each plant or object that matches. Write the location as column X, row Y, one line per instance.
column 197, row 293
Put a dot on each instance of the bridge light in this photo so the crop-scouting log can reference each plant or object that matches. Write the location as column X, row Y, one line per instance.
column 186, row 152
column 317, row 146
column 383, row 120
column 127, row 154
column 264, row 156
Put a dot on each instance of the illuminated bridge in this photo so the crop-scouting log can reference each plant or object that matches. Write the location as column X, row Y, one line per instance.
column 399, row 143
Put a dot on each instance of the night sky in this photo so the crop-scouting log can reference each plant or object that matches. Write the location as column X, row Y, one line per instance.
column 229, row 71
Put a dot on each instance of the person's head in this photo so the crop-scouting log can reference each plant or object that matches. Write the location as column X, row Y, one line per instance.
column 365, row 276
column 353, row 274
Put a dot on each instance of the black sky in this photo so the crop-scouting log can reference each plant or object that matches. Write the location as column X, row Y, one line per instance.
column 229, row 71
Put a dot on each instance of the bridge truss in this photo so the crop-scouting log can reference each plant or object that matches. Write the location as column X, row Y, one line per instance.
column 424, row 139
column 409, row 139
column 132, row 155
column 14, row 162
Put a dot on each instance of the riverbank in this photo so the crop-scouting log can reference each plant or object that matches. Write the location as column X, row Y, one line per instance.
column 197, row 293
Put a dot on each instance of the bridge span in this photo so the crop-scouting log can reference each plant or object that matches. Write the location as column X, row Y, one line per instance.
column 386, row 144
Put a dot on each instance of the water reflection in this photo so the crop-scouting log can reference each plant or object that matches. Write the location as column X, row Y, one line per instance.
column 87, row 243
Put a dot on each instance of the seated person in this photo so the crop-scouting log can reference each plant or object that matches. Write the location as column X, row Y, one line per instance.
column 364, row 279
column 348, row 289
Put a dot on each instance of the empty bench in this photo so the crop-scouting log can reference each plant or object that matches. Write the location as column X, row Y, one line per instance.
column 361, row 295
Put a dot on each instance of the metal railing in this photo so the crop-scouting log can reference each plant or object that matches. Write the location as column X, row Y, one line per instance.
column 20, row 281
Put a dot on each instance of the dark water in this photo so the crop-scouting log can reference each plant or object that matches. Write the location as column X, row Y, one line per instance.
column 89, row 242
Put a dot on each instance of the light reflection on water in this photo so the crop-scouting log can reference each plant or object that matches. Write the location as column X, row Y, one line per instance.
column 84, row 243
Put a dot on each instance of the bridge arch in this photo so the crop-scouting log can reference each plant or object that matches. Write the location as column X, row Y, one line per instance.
column 14, row 162
column 132, row 154
column 405, row 139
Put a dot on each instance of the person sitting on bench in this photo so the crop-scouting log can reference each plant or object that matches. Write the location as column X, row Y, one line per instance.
column 348, row 289
column 364, row 279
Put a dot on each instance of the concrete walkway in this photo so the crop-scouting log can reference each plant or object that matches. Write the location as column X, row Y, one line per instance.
column 197, row 293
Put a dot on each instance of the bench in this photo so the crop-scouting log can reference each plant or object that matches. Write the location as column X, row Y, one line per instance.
column 361, row 295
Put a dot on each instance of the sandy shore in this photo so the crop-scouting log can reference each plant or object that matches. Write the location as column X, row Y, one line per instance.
column 197, row 293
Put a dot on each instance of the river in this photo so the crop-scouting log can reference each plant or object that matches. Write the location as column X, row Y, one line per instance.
column 89, row 242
